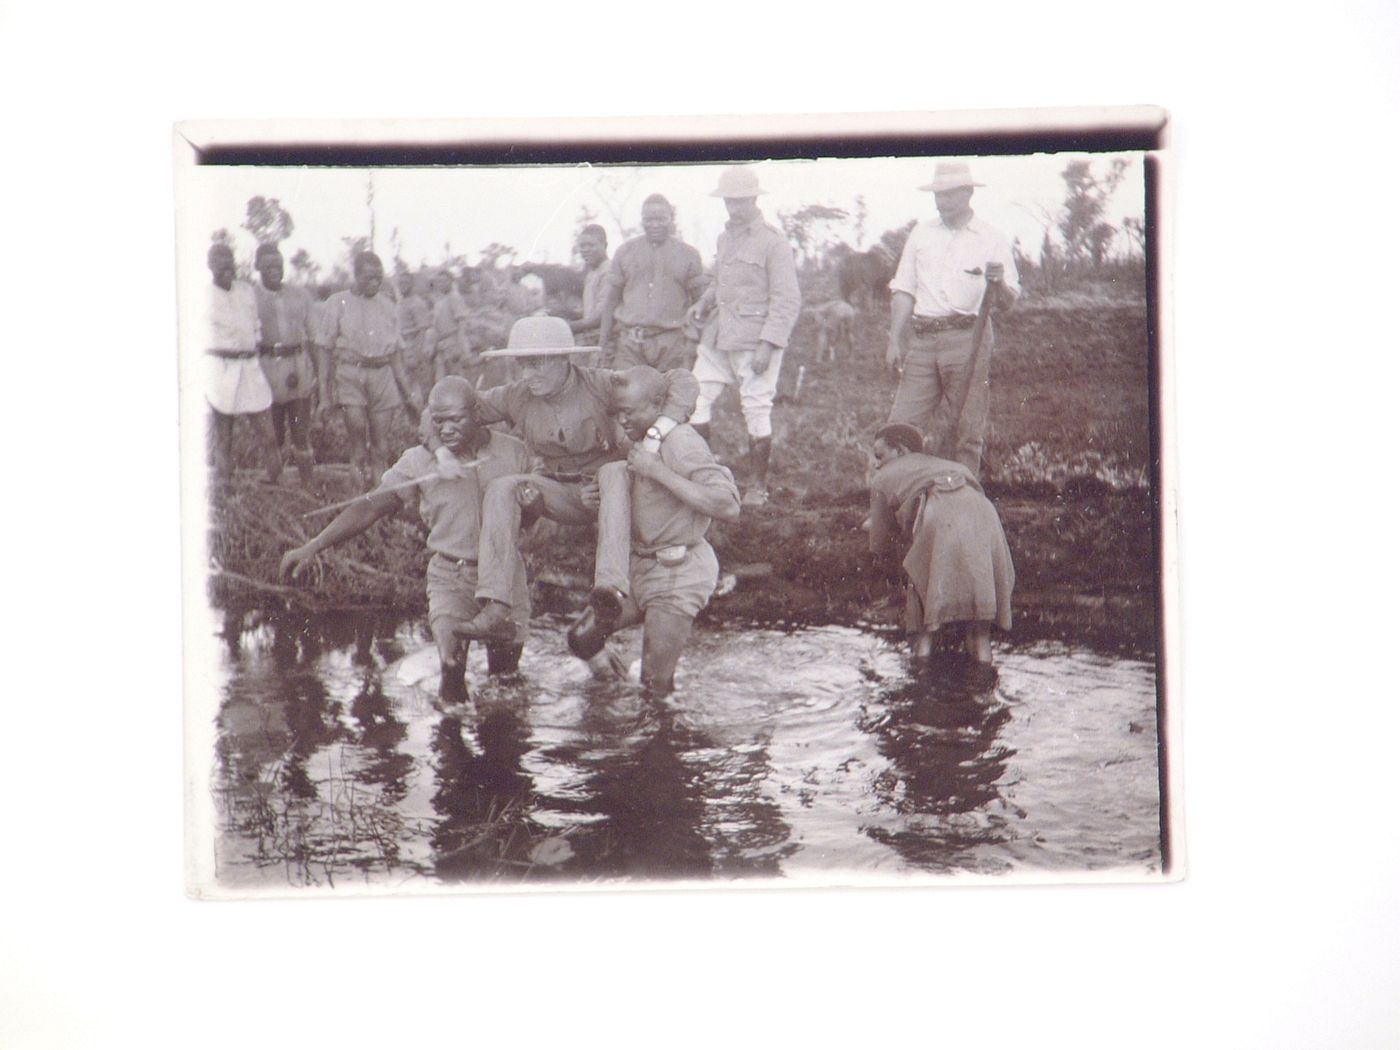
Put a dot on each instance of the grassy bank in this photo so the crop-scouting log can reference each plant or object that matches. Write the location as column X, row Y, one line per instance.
column 1067, row 465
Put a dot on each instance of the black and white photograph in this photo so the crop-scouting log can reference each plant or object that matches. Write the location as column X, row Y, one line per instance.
column 792, row 520
column 726, row 525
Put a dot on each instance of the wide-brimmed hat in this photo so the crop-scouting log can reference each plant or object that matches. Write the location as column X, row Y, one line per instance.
column 951, row 175
column 540, row 337
column 738, row 182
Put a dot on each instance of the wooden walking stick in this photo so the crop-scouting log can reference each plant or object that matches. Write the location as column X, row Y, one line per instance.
column 381, row 490
column 979, row 328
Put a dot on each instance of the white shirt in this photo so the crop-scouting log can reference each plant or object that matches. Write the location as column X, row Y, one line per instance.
column 938, row 264
column 233, row 385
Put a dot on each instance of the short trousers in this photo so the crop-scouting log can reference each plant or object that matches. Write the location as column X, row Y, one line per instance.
column 685, row 588
column 452, row 596
column 291, row 377
column 370, row 388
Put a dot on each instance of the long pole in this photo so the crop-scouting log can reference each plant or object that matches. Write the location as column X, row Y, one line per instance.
column 382, row 490
column 979, row 328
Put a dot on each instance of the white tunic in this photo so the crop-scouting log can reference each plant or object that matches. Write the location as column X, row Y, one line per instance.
column 234, row 385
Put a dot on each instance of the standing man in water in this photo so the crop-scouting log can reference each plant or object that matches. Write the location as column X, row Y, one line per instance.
column 288, row 335
column 362, row 368
column 451, row 509
column 652, row 282
column 676, row 492
column 756, row 302
column 948, row 265
column 593, row 249
column 236, row 385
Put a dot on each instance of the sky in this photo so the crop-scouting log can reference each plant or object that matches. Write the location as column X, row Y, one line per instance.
column 536, row 210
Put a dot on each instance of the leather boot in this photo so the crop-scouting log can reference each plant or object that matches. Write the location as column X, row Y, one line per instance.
column 760, row 452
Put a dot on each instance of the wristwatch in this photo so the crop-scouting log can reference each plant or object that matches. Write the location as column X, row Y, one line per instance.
column 654, row 433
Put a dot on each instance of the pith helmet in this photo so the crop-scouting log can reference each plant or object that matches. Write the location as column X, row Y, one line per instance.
column 540, row 337
column 951, row 175
column 738, row 181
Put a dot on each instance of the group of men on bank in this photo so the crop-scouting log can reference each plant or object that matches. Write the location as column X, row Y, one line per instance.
column 627, row 447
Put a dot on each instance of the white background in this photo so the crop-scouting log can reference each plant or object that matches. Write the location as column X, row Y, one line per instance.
column 1285, row 932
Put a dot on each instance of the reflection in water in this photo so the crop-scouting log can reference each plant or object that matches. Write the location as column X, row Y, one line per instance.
column 780, row 753
column 946, row 764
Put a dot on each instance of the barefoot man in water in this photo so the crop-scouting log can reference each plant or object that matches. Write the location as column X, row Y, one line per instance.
column 451, row 509
column 676, row 492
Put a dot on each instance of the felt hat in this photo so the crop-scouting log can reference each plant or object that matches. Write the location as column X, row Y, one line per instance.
column 540, row 337
column 951, row 175
column 738, row 182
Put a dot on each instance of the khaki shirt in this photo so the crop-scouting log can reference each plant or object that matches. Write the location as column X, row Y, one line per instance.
column 451, row 507
column 755, row 287
column 415, row 315
column 285, row 315
column 656, row 283
column 659, row 517
column 896, row 486
column 362, row 326
column 593, row 288
column 449, row 315
column 574, row 431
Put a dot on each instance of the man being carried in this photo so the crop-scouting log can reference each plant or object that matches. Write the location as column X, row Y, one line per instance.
column 676, row 492
column 947, row 267
column 756, row 301
column 451, row 509
column 651, row 284
column 284, row 313
column 362, row 368
column 565, row 414
column 236, row 384
column 593, row 249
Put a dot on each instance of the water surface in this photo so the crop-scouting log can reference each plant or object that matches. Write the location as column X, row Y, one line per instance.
column 813, row 752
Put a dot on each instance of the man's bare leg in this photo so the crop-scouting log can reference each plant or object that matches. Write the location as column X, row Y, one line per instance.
column 221, row 444
column 267, row 440
column 663, row 638
column 381, row 420
column 452, row 652
column 357, row 433
column 978, row 641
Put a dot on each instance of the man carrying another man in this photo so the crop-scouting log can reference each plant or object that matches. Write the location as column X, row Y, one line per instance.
column 947, row 267
column 676, row 492
column 284, row 349
column 651, row 284
column 451, row 509
column 756, row 301
column 361, row 367
column 565, row 414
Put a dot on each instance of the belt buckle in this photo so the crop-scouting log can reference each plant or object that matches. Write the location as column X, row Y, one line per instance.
column 672, row 556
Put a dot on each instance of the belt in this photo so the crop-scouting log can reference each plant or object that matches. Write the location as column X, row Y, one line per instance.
column 568, row 477
column 233, row 355
column 280, row 349
column 646, row 331
column 946, row 323
column 344, row 359
column 669, row 556
column 458, row 563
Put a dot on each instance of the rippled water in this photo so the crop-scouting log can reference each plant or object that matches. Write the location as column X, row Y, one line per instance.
column 806, row 753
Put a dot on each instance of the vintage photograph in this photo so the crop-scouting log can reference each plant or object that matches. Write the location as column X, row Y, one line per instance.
column 794, row 518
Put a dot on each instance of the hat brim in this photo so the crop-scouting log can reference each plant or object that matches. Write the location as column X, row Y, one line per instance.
column 936, row 187
column 542, row 351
